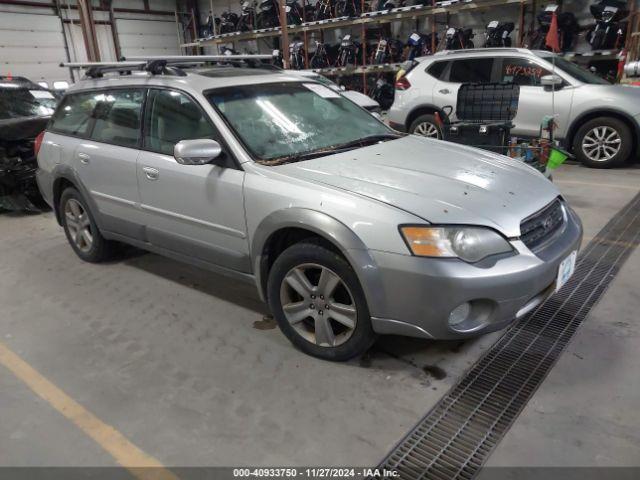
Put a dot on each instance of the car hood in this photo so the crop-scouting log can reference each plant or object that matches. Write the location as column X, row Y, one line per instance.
column 441, row 182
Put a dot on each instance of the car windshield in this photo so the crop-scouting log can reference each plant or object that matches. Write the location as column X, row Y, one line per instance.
column 286, row 122
column 19, row 102
column 581, row 74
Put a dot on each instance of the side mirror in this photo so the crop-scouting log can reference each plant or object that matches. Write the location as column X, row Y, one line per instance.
column 196, row 152
column 552, row 81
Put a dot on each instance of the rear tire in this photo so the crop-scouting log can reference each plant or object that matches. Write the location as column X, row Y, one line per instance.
column 426, row 126
column 603, row 142
column 81, row 229
column 317, row 300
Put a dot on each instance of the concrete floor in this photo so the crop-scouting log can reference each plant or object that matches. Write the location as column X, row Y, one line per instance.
column 184, row 365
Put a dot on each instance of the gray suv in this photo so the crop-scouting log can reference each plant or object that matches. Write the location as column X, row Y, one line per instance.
column 347, row 228
column 597, row 121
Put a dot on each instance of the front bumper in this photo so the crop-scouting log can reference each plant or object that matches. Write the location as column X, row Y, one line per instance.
column 414, row 296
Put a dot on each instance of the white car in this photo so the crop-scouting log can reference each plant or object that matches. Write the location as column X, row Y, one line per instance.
column 597, row 121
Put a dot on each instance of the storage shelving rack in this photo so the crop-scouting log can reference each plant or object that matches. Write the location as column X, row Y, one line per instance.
column 414, row 12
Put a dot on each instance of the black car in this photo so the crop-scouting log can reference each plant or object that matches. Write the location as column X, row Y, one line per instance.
column 25, row 109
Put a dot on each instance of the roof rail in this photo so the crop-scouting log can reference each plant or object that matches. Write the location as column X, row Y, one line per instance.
column 157, row 65
column 182, row 59
column 489, row 49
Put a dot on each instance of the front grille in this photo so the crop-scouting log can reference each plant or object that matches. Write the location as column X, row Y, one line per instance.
column 542, row 225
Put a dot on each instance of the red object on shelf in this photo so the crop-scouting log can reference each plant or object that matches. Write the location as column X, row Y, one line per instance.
column 551, row 39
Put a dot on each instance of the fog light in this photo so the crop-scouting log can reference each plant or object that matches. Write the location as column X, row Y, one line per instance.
column 459, row 314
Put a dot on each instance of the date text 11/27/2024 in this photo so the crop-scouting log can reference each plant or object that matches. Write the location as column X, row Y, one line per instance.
column 314, row 472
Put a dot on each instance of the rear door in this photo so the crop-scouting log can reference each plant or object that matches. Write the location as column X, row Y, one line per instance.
column 105, row 157
column 459, row 71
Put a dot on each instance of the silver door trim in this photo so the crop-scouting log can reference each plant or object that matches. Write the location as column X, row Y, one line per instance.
column 111, row 198
column 213, row 226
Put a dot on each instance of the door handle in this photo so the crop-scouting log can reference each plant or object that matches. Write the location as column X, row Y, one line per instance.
column 445, row 91
column 84, row 158
column 151, row 173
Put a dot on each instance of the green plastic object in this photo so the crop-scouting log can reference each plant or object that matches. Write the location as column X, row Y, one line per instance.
column 556, row 158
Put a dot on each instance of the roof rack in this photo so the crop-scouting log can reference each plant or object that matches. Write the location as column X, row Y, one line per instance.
column 485, row 50
column 200, row 58
column 158, row 65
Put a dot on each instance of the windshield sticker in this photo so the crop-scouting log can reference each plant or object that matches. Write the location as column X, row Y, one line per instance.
column 41, row 94
column 321, row 90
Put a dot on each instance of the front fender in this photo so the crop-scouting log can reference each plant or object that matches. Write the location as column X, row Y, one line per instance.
column 592, row 112
column 327, row 227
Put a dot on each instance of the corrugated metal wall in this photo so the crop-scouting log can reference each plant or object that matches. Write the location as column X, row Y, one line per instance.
column 147, row 37
column 32, row 45
column 32, row 38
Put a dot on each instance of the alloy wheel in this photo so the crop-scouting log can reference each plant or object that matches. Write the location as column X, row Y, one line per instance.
column 427, row 129
column 601, row 144
column 318, row 305
column 78, row 225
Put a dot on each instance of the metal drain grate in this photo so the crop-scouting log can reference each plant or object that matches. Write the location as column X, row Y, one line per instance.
column 457, row 436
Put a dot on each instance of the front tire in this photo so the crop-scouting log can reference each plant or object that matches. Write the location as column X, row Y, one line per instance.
column 603, row 142
column 426, row 126
column 81, row 229
column 317, row 300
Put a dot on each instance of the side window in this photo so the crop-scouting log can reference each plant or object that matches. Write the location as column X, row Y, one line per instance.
column 74, row 115
column 522, row 71
column 437, row 69
column 471, row 70
column 117, row 117
column 172, row 116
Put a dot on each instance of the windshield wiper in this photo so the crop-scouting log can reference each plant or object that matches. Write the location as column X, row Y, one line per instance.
column 360, row 142
column 364, row 141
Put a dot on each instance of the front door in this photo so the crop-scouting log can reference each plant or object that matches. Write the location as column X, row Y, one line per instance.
column 193, row 210
column 536, row 101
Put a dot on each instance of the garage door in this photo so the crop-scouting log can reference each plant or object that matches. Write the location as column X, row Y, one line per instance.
column 147, row 37
column 32, row 46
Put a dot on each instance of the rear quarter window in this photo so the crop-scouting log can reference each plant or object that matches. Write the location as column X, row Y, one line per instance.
column 117, row 117
column 437, row 69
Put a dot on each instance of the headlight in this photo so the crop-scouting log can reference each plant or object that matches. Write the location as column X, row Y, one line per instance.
column 470, row 244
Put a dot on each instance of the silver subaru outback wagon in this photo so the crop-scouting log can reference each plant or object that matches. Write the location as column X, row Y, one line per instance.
column 347, row 228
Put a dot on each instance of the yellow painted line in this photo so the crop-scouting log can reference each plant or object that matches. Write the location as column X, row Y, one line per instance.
column 591, row 184
column 141, row 465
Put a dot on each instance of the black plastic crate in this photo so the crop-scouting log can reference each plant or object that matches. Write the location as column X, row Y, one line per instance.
column 491, row 136
column 487, row 102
